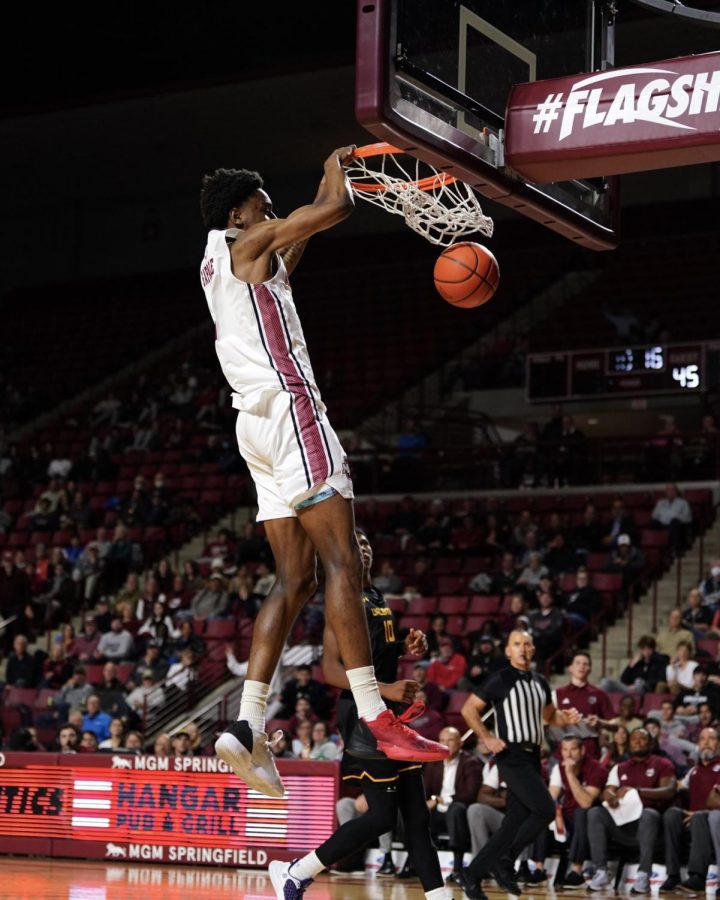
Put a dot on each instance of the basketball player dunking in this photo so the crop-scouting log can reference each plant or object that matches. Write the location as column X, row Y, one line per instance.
column 294, row 456
column 388, row 785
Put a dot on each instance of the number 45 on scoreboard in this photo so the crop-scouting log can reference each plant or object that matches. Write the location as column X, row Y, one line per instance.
column 687, row 376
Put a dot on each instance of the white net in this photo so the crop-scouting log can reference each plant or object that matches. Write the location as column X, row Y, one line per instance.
column 434, row 204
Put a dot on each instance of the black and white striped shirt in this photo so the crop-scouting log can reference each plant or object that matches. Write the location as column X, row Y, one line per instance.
column 519, row 699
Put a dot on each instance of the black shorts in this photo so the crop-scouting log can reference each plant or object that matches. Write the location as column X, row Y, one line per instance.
column 377, row 774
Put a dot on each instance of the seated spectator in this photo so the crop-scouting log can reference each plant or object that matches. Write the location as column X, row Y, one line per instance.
column 149, row 697
column 705, row 719
column 304, row 686
column 68, row 738
column 619, row 522
column 616, row 748
column 672, row 735
column 66, row 639
column 196, row 746
column 450, row 787
column 680, row 668
column 103, row 616
column 95, row 720
column 56, row 668
column 687, row 702
column 181, row 673
column 559, row 556
column 87, row 641
column 654, row 779
column 88, row 742
column 22, row 668
column 281, row 745
column 667, row 639
column 430, row 723
column 303, row 713
column 109, row 682
column 517, row 617
column 710, row 587
column 485, row 657
column 627, row 716
column 302, row 742
column 131, row 592
column 23, row 740
column 134, row 742
column 531, row 545
column 75, row 691
column 575, row 785
column 116, row 741
column 188, row 640
column 264, row 582
column 116, row 645
column 178, row 597
column 529, row 578
column 211, row 602
column 220, row 547
column 434, row 697
column 88, row 571
column 164, row 576
column 700, row 787
column 163, row 746
column 192, row 579
column 148, row 596
column 438, row 632
column 587, row 536
column 673, row 514
column 547, row 626
column 43, row 517
column 583, row 601
column 696, row 617
column 152, row 659
column 159, row 626
column 626, row 559
column 386, row 581
column 58, row 599
column 448, row 668
column 322, row 746
column 118, row 560
column 181, row 744
column 645, row 670
column 503, row 581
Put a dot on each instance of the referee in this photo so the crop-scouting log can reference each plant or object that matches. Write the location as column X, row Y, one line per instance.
column 522, row 705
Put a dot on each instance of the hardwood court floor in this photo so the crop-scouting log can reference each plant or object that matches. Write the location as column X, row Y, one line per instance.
column 33, row 879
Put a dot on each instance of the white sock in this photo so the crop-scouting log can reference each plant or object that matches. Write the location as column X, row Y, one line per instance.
column 363, row 685
column 254, row 703
column 307, row 867
column 441, row 893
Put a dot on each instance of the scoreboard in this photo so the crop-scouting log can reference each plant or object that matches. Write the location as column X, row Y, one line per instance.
column 632, row 371
column 185, row 810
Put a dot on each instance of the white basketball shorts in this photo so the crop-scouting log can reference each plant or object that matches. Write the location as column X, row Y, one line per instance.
column 292, row 453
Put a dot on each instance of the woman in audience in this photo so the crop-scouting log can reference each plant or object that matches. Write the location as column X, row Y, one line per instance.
column 618, row 748
column 66, row 639
column 159, row 625
column 302, row 744
column 511, row 620
column 680, row 669
column 322, row 746
column 116, row 741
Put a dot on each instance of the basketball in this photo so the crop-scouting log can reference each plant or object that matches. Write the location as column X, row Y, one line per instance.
column 466, row 274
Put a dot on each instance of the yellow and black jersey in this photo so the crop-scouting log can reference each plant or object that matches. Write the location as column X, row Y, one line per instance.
column 386, row 648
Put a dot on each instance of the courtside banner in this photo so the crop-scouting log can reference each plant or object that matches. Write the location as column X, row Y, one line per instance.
column 187, row 810
column 622, row 120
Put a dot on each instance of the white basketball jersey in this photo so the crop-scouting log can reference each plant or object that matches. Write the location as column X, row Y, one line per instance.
column 258, row 337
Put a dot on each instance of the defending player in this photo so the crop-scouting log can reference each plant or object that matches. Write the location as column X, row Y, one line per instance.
column 296, row 461
column 388, row 785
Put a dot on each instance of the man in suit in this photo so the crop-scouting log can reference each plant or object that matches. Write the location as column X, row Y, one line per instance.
column 451, row 786
column 619, row 522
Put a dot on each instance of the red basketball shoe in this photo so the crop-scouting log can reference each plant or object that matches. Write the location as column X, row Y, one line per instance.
column 397, row 741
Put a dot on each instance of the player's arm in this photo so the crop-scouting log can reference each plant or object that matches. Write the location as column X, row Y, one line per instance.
column 472, row 711
column 333, row 203
column 402, row 691
column 560, row 717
